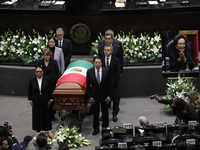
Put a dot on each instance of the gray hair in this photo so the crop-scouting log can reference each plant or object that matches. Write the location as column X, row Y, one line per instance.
column 60, row 30
column 109, row 32
column 143, row 121
column 109, row 45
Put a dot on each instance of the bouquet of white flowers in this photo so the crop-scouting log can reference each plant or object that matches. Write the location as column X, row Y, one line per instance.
column 71, row 137
column 179, row 88
column 141, row 49
column 21, row 47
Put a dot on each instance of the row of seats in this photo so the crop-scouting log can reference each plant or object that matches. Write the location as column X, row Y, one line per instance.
column 152, row 137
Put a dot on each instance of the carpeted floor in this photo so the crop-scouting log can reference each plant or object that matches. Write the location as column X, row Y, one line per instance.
column 17, row 111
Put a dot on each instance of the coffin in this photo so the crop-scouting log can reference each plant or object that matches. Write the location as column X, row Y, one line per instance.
column 70, row 92
column 70, row 96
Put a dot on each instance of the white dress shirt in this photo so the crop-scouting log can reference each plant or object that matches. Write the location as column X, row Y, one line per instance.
column 59, row 43
column 40, row 84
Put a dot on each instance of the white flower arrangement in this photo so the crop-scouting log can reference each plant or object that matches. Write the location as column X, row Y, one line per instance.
column 179, row 89
column 21, row 47
column 141, row 49
column 69, row 136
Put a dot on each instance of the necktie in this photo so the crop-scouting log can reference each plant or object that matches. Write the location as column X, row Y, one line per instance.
column 60, row 44
column 107, row 61
column 98, row 76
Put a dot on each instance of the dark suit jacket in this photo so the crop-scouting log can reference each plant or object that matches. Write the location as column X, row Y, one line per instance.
column 114, row 69
column 52, row 71
column 117, row 51
column 67, row 50
column 98, row 91
column 34, row 92
column 175, row 65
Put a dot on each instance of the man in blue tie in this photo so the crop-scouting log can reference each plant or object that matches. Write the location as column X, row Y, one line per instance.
column 98, row 91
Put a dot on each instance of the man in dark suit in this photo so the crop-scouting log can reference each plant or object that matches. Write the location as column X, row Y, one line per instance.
column 65, row 44
column 113, row 64
column 117, row 47
column 98, row 91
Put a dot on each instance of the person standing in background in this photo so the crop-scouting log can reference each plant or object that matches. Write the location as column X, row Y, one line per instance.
column 65, row 45
column 117, row 47
column 113, row 64
column 51, row 70
column 57, row 54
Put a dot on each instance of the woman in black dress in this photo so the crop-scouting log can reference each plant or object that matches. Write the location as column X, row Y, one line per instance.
column 51, row 70
column 39, row 95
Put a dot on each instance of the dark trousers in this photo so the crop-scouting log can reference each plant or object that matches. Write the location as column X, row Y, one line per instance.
column 104, row 110
column 116, row 100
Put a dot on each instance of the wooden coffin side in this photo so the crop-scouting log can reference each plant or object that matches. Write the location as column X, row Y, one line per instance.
column 70, row 96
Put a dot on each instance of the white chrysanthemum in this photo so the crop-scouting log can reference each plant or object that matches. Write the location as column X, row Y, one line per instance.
column 58, row 133
column 139, row 54
column 36, row 57
column 135, row 41
column 20, row 51
column 1, row 48
column 131, row 51
column 35, row 41
column 180, row 95
column 180, row 81
column 13, row 41
column 2, row 42
column 154, row 49
column 61, row 138
column 22, row 40
column 157, row 38
column 13, row 49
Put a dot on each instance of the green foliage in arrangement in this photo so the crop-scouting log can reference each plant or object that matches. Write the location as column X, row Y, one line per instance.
column 70, row 136
column 21, row 47
column 141, row 49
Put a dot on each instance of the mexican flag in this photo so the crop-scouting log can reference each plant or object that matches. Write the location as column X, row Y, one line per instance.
column 76, row 72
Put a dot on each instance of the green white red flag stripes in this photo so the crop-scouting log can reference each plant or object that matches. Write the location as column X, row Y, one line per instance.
column 76, row 72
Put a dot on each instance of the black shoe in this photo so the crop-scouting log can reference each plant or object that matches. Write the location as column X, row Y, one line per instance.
column 101, row 119
column 115, row 118
column 95, row 132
